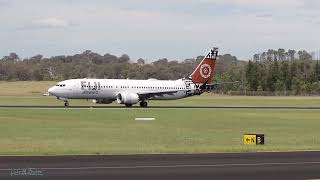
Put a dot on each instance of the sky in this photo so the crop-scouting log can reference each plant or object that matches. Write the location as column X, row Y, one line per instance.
column 175, row 29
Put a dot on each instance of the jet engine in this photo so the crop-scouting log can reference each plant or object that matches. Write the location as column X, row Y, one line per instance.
column 102, row 101
column 127, row 98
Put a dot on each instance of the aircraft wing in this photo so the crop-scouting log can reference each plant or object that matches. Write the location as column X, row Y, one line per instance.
column 149, row 95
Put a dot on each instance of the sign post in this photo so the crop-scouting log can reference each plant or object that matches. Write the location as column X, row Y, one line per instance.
column 253, row 139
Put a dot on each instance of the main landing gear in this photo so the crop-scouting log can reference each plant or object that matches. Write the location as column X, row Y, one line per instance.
column 143, row 104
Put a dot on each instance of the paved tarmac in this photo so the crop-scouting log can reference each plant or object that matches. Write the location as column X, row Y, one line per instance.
column 271, row 166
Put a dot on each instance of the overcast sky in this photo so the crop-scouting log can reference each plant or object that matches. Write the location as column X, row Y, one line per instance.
column 175, row 29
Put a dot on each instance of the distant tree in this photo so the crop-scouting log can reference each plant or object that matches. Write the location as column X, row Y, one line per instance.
column 304, row 55
column 36, row 58
column 124, row 59
column 251, row 76
column 270, row 55
column 11, row 57
column 281, row 54
column 273, row 76
column 264, row 56
column 141, row 61
column 291, row 54
column 256, row 57
column 160, row 62
column 285, row 75
column 317, row 70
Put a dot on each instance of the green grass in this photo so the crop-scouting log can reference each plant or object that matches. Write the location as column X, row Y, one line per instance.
column 114, row 131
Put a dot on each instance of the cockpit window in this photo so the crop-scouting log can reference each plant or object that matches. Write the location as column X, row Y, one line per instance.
column 61, row 85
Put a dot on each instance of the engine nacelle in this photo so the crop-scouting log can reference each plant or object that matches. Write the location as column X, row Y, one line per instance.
column 127, row 98
column 102, row 101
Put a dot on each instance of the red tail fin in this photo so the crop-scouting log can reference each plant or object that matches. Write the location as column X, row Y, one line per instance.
column 204, row 72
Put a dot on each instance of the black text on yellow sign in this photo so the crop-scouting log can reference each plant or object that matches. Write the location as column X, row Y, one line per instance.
column 253, row 139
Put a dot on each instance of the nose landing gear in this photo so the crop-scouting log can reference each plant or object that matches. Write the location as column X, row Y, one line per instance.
column 66, row 104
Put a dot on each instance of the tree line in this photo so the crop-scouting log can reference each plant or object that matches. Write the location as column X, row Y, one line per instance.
column 283, row 73
column 274, row 72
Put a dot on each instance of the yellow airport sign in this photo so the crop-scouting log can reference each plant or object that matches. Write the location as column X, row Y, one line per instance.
column 253, row 139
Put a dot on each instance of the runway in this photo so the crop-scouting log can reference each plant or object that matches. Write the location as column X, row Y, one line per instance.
column 161, row 107
column 294, row 165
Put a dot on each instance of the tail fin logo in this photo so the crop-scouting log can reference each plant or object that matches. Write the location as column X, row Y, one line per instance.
column 205, row 71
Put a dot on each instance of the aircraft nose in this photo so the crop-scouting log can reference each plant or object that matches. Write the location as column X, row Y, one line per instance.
column 51, row 90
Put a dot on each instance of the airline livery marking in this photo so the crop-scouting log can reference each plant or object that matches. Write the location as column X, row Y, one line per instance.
column 205, row 71
column 88, row 89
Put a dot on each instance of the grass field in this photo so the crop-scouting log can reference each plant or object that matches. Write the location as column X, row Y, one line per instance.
column 114, row 131
column 101, row 131
column 25, row 88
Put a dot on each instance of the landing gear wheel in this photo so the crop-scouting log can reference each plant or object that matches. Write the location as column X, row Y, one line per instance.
column 66, row 104
column 128, row 105
column 143, row 104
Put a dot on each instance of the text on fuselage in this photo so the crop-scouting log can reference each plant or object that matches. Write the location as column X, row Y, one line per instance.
column 90, row 87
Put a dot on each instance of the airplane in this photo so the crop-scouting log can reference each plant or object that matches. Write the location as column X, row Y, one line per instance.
column 129, row 92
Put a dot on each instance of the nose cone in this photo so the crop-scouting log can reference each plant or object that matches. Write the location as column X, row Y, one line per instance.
column 51, row 91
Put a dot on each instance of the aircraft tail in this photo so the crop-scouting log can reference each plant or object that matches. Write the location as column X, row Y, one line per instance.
column 204, row 72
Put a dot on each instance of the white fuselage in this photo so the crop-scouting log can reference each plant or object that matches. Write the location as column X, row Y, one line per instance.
column 109, row 89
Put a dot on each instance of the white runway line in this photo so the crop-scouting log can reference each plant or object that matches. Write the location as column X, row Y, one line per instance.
column 145, row 119
column 174, row 166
